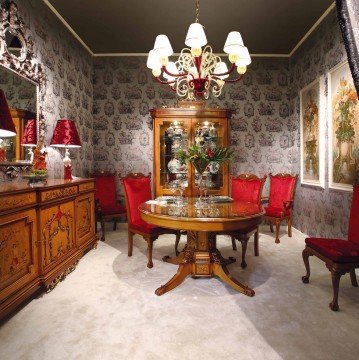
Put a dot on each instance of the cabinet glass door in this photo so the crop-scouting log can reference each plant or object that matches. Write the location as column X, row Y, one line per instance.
column 174, row 135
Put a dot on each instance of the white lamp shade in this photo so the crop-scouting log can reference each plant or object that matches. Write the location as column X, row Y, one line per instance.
column 233, row 43
column 196, row 38
column 153, row 61
column 221, row 68
column 172, row 68
column 244, row 58
column 163, row 46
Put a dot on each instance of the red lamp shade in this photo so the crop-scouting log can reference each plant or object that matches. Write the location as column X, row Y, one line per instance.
column 29, row 137
column 65, row 135
column 7, row 127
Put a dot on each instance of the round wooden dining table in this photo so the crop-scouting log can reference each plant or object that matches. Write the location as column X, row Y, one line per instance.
column 200, row 256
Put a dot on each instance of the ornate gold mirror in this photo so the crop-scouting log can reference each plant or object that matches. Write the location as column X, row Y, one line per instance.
column 22, row 82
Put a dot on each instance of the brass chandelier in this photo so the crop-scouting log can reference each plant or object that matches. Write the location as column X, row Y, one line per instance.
column 198, row 71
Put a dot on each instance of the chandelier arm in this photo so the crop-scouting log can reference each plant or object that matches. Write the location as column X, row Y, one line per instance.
column 228, row 72
column 173, row 75
column 230, row 80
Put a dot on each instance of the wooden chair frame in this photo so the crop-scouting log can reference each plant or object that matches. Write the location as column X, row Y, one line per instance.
column 150, row 238
column 288, row 205
column 99, row 216
column 243, row 238
column 336, row 269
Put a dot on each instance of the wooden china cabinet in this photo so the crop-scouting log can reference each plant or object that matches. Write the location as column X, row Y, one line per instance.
column 178, row 128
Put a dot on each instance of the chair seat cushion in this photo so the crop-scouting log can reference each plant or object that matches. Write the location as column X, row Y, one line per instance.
column 112, row 209
column 142, row 226
column 341, row 251
column 276, row 212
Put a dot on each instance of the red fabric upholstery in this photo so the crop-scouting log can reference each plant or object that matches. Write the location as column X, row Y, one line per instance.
column 340, row 251
column 276, row 212
column 137, row 191
column 105, row 193
column 281, row 190
column 353, row 232
column 247, row 190
column 144, row 227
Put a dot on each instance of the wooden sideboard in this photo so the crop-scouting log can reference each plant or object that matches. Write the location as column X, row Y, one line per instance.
column 44, row 231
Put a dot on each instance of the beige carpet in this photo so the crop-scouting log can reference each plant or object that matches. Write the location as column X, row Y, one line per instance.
column 107, row 309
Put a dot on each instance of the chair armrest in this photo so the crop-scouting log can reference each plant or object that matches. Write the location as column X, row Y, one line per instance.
column 288, row 204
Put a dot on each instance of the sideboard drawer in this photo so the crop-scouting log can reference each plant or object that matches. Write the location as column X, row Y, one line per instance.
column 17, row 200
column 86, row 186
column 60, row 193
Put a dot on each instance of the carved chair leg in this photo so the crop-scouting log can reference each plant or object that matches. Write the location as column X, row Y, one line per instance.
column 102, row 230
column 353, row 278
column 335, row 281
column 305, row 255
column 178, row 237
column 234, row 245
column 114, row 225
column 290, row 226
column 256, row 244
column 149, row 252
column 271, row 226
column 277, row 227
column 130, row 243
column 244, row 242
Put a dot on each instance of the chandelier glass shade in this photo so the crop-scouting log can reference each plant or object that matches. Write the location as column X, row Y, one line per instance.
column 198, row 71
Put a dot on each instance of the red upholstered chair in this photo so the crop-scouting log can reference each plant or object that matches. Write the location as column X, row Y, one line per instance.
column 281, row 197
column 248, row 188
column 108, row 206
column 137, row 189
column 340, row 256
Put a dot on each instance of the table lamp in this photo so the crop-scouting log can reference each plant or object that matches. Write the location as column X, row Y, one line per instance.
column 29, row 138
column 65, row 136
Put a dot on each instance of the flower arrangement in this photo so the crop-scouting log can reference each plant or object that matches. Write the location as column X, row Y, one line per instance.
column 201, row 157
column 310, row 114
column 344, row 103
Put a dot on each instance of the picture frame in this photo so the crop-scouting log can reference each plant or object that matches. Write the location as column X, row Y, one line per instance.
column 343, row 128
column 312, row 133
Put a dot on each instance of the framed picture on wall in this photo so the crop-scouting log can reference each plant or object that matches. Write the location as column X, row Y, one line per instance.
column 312, row 133
column 343, row 117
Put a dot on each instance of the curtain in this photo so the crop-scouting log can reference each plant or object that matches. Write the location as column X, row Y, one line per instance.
column 348, row 16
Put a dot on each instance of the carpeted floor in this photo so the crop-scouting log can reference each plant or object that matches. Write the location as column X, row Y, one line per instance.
column 107, row 309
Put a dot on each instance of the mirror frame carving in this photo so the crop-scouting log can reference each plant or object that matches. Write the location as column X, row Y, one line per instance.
column 24, row 66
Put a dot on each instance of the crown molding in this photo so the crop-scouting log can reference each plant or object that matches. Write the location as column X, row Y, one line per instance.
column 73, row 32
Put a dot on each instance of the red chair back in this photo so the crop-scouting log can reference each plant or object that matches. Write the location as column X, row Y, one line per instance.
column 105, row 188
column 282, row 188
column 248, row 188
column 353, row 233
column 137, row 188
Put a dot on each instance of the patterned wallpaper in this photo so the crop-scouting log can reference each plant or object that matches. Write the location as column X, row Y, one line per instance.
column 353, row 9
column 69, row 89
column 318, row 212
column 124, row 91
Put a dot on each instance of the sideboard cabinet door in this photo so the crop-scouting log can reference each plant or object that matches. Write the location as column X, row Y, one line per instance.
column 18, row 252
column 85, row 218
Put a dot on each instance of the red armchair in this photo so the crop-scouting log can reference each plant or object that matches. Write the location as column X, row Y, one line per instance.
column 340, row 256
column 248, row 188
column 107, row 202
column 281, row 197
column 137, row 189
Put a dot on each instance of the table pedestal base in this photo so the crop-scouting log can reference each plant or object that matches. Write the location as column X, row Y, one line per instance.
column 201, row 258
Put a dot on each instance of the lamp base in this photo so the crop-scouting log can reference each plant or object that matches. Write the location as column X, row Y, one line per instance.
column 67, row 172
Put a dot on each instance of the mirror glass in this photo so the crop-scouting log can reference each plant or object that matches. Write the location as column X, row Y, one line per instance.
column 21, row 97
column 15, row 44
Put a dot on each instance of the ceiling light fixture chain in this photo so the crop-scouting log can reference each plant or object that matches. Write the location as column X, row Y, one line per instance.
column 198, row 71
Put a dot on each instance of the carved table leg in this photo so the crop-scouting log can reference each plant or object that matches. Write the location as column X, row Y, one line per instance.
column 222, row 272
column 176, row 260
column 183, row 271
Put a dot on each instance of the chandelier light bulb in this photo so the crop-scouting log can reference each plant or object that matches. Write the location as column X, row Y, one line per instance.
column 241, row 69
column 156, row 72
column 232, row 58
column 196, row 51
column 164, row 60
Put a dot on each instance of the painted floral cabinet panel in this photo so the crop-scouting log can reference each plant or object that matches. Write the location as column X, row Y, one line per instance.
column 85, row 218
column 18, row 253
column 57, row 232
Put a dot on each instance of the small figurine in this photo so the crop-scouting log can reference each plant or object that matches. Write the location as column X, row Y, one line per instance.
column 39, row 158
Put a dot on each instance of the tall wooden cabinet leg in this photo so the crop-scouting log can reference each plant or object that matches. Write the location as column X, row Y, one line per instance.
column 353, row 278
column 305, row 255
column 256, row 243
column 130, row 243
column 234, row 246
column 335, row 281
